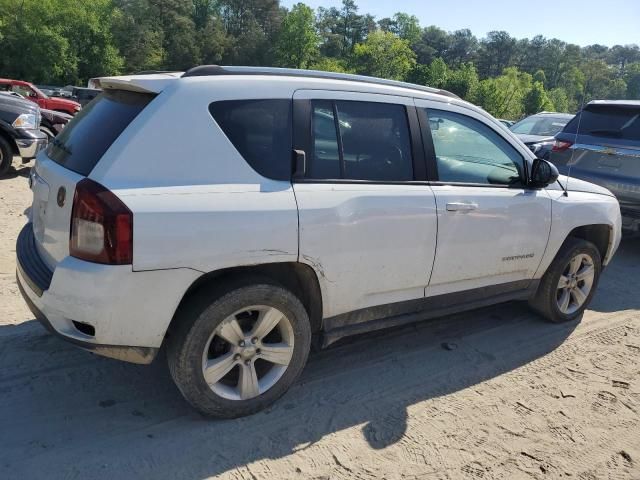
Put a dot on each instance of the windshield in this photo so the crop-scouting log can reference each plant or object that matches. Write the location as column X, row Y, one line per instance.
column 39, row 92
column 542, row 126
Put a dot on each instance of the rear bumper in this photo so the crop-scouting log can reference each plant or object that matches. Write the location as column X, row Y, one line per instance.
column 142, row 355
column 108, row 309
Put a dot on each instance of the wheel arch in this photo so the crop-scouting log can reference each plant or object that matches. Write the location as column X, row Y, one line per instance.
column 296, row 277
column 601, row 235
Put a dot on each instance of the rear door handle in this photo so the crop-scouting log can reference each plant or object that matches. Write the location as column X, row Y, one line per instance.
column 461, row 206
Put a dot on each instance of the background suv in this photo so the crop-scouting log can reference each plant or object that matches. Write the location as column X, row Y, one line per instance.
column 232, row 213
column 602, row 145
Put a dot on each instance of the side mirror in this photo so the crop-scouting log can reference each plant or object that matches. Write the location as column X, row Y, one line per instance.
column 543, row 173
column 434, row 124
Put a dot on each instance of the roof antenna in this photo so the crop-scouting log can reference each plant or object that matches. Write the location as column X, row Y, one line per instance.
column 575, row 141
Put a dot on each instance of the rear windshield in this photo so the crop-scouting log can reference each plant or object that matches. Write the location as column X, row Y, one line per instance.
column 607, row 121
column 87, row 137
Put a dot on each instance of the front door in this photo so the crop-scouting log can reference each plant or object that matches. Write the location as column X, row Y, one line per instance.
column 367, row 225
column 492, row 229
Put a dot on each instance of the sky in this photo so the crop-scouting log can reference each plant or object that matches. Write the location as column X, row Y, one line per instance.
column 584, row 22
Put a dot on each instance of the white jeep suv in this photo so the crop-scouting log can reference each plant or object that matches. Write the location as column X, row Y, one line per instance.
column 232, row 213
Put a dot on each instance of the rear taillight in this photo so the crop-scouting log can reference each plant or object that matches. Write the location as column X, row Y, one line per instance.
column 101, row 226
column 560, row 146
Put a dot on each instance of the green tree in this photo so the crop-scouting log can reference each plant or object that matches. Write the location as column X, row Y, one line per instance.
column 297, row 44
column 438, row 74
column 384, row 55
column 496, row 53
column 558, row 97
column 536, row 100
column 622, row 55
column 540, row 76
column 328, row 64
column 137, row 37
column 252, row 27
column 57, row 41
column 463, row 82
column 503, row 96
column 433, row 43
column 633, row 81
column 407, row 27
column 462, row 47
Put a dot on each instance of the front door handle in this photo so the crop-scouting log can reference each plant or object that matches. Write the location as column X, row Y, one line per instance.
column 461, row 206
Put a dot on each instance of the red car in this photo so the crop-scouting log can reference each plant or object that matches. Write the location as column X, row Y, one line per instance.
column 31, row 92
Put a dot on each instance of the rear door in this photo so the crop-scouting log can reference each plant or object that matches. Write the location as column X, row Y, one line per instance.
column 367, row 217
column 603, row 147
column 69, row 158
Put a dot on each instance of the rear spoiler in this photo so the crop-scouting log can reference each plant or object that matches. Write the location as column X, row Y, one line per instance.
column 144, row 83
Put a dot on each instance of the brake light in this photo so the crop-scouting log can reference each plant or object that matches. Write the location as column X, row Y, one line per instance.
column 101, row 226
column 560, row 146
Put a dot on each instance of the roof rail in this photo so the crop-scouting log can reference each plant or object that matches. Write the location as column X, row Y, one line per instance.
column 211, row 70
column 154, row 72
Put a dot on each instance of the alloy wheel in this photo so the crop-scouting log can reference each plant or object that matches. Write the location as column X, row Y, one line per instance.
column 248, row 352
column 575, row 284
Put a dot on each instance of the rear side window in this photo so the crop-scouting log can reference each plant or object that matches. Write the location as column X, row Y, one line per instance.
column 86, row 138
column 607, row 121
column 261, row 132
column 360, row 141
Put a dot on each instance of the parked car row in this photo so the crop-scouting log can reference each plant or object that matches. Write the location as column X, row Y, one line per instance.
column 33, row 93
column 81, row 95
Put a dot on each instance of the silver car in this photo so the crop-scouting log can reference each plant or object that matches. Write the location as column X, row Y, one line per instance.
column 602, row 145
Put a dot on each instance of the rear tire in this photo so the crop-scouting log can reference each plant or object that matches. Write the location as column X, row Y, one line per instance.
column 567, row 287
column 245, row 369
column 6, row 156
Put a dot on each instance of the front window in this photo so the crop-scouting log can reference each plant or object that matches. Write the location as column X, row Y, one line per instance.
column 468, row 151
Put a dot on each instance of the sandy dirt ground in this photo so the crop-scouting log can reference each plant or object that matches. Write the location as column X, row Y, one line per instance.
column 509, row 397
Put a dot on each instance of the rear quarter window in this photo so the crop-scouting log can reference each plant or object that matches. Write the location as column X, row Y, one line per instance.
column 261, row 132
column 83, row 142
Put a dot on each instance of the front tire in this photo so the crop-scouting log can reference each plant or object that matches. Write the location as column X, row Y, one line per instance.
column 6, row 156
column 238, row 353
column 568, row 286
